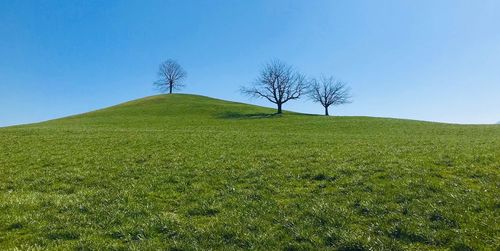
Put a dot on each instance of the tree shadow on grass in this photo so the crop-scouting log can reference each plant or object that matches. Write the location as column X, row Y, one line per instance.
column 238, row 115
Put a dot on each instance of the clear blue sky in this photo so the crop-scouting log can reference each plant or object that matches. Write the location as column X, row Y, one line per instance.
column 431, row 60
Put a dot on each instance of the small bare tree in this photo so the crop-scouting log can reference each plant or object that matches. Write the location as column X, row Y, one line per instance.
column 171, row 75
column 278, row 83
column 329, row 91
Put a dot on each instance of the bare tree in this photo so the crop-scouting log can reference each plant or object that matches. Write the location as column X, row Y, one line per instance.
column 171, row 75
column 329, row 91
column 278, row 83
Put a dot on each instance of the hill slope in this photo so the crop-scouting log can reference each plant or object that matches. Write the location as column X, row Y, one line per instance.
column 191, row 172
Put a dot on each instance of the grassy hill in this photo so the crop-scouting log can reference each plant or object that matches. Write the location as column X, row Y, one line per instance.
column 191, row 172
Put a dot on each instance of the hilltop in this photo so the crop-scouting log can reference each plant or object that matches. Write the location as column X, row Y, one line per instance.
column 191, row 172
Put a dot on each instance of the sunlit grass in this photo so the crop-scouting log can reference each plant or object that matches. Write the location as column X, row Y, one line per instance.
column 189, row 172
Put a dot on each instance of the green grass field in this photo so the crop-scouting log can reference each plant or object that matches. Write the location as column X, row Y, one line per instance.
column 188, row 172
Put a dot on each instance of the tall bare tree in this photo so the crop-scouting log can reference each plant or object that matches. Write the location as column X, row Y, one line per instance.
column 171, row 75
column 278, row 83
column 329, row 91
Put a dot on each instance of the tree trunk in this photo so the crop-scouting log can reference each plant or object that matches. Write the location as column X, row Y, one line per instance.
column 326, row 111
column 279, row 109
column 171, row 86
